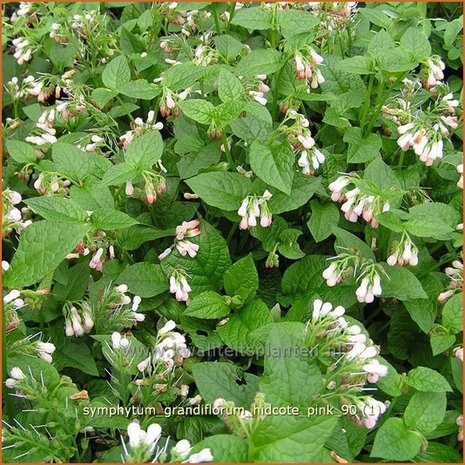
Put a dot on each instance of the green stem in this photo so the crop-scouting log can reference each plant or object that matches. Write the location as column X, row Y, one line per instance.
column 125, row 108
column 380, row 100
column 228, row 152
column 216, row 18
column 366, row 104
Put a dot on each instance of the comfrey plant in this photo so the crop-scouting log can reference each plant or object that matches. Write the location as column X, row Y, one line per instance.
column 232, row 232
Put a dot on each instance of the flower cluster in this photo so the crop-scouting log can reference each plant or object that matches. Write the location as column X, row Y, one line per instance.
column 143, row 447
column 356, row 203
column 23, row 50
column 420, row 130
column 404, row 253
column 16, row 378
column 433, row 71
column 12, row 217
column 139, row 127
column 355, row 359
column 169, row 101
column 260, row 90
column 24, row 10
column 455, row 273
column 185, row 231
column 78, row 319
column 307, row 67
column 49, row 183
column 253, row 207
column 99, row 245
column 179, row 285
column 48, row 132
column 333, row 16
column 350, row 264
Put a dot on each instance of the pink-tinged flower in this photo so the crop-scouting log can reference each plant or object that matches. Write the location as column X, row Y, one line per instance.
column 96, row 261
column 179, row 287
column 187, row 247
column 458, row 353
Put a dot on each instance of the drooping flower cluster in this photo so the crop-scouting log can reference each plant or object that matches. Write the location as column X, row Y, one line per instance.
column 12, row 217
column 47, row 133
column 12, row 302
column 169, row 100
column 356, row 203
column 404, row 253
column 258, row 93
column 185, row 231
column 455, row 273
column 16, row 378
column 348, row 264
column 310, row 158
column 253, row 207
column 355, row 362
column 179, row 285
column 432, row 72
column 24, row 10
column 99, row 245
column 139, row 127
column 143, row 447
column 422, row 130
column 460, row 171
column 78, row 319
column 307, row 67
column 154, row 186
column 333, row 16
column 23, row 50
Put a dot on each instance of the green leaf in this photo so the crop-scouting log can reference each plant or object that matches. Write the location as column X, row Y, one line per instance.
column 303, row 188
column 425, row 411
column 255, row 18
column 197, row 109
column 453, row 28
column 133, row 237
column 145, row 151
column 287, row 439
column 139, row 89
column 221, row 189
column 274, row 165
column 441, row 342
column 144, row 279
column 102, row 96
column 182, row 76
column 227, row 112
column 262, row 61
column 118, row 174
column 381, row 175
column 206, row 271
column 295, row 21
column 425, row 379
column 21, row 151
column 208, row 305
column 288, row 245
column 437, row 452
column 247, row 329
column 42, row 246
column 225, row 448
column 416, row 42
column 401, row 284
column 117, row 73
column 394, row 441
column 229, row 86
column 347, row 240
column 57, row 209
column 432, row 219
column 92, row 195
column 75, row 355
column 452, row 314
column 73, row 162
column 323, row 219
column 357, row 65
column 77, row 281
column 361, row 149
column 108, row 219
column 291, row 376
column 304, row 275
column 228, row 46
column 242, row 278
column 219, row 380
column 395, row 60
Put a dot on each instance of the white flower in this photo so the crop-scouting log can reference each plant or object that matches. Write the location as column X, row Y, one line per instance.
column 182, row 449
column 204, row 455
column 167, row 327
column 12, row 295
column 17, row 373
